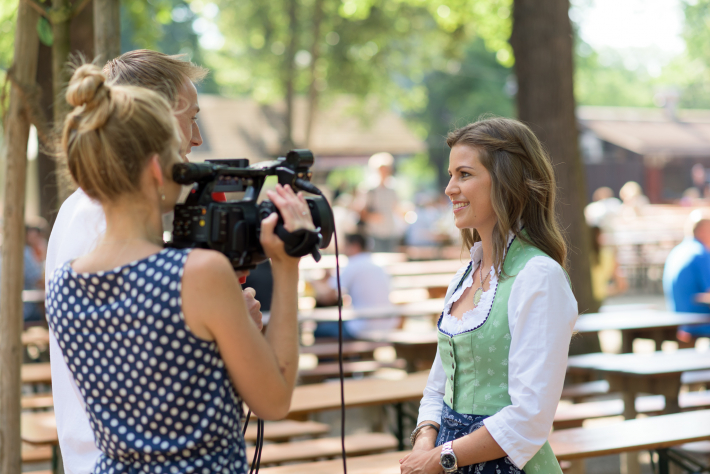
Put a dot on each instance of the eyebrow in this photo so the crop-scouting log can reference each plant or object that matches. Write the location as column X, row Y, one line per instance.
column 464, row 166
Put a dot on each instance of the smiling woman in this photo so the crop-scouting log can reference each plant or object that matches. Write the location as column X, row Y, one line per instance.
column 504, row 333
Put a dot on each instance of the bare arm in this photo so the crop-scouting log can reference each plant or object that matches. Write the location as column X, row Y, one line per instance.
column 474, row 448
column 262, row 368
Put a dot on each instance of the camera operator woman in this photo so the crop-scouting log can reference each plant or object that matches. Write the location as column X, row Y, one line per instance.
column 159, row 341
column 508, row 316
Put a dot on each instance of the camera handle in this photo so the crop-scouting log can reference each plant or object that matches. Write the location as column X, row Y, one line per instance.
column 300, row 242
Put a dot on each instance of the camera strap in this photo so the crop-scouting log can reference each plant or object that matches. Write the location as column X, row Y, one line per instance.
column 301, row 242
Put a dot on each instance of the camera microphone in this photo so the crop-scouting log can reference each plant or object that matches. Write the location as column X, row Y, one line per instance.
column 307, row 186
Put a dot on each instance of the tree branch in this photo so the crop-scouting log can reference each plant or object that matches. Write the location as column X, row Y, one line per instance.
column 77, row 9
column 38, row 7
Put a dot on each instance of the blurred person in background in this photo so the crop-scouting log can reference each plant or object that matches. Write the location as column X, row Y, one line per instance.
column 33, row 271
column 633, row 199
column 368, row 286
column 379, row 208
column 607, row 277
column 699, row 176
column 687, row 273
column 603, row 206
column 425, row 230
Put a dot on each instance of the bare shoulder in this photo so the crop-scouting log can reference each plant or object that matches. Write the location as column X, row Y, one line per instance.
column 207, row 265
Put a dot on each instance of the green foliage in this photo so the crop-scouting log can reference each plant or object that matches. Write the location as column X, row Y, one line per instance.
column 8, row 19
column 605, row 80
column 465, row 90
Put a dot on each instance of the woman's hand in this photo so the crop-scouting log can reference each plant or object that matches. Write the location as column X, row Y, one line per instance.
column 421, row 461
column 253, row 306
column 296, row 215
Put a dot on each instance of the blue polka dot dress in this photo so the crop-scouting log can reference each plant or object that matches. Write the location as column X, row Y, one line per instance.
column 159, row 399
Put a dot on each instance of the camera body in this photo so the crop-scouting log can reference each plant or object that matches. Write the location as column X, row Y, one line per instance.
column 233, row 227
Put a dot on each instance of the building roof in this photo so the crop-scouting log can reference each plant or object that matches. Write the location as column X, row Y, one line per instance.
column 648, row 131
column 243, row 128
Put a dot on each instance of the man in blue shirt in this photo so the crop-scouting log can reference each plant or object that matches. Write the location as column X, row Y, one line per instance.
column 687, row 273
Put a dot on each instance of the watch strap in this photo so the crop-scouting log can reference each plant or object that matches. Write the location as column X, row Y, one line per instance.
column 447, row 449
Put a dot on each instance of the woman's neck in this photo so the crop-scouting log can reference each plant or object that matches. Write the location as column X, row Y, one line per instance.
column 133, row 219
column 486, row 246
column 133, row 231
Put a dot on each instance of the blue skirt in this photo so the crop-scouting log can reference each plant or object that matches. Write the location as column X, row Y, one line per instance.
column 454, row 425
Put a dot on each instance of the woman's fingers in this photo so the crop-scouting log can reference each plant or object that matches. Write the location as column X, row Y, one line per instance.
column 293, row 208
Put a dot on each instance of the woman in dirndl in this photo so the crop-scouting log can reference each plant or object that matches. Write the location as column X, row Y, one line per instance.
column 509, row 313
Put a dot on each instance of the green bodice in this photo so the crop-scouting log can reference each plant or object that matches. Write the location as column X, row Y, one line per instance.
column 476, row 361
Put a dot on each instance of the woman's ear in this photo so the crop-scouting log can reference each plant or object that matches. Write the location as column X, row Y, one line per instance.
column 156, row 170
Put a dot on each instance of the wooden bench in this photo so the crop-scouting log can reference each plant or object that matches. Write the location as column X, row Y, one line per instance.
column 330, row 370
column 35, row 454
column 286, row 429
column 355, row 445
column 363, row 349
column 37, row 401
column 569, row 416
column 580, row 391
column 653, row 433
column 36, row 373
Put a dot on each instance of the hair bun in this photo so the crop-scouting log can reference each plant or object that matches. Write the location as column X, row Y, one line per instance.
column 86, row 86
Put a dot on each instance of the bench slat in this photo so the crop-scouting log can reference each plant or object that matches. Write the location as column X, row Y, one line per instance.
column 574, row 415
column 286, row 429
column 577, row 443
column 356, row 444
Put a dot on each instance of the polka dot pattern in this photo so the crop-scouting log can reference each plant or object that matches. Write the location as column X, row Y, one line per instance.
column 159, row 399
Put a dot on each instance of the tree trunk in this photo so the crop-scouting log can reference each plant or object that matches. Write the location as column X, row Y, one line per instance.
column 60, row 54
column 542, row 43
column 82, row 41
column 290, row 72
column 17, row 129
column 46, row 167
column 107, row 30
column 315, row 54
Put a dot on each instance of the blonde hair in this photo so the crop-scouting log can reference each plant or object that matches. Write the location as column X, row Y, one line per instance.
column 113, row 131
column 155, row 71
column 522, row 186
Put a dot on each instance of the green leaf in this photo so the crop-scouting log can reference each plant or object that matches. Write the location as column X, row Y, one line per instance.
column 44, row 31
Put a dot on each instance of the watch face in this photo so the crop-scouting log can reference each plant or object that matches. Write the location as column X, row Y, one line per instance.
column 448, row 461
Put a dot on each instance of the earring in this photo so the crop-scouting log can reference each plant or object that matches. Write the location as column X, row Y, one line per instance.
column 162, row 194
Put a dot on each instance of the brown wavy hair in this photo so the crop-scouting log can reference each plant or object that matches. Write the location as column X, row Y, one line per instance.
column 522, row 186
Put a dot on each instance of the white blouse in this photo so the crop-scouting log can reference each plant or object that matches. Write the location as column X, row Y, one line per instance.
column 542, row 312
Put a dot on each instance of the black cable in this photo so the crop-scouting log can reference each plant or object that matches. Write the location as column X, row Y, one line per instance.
column 258, row 447
column 246, row 423
column 340, row 352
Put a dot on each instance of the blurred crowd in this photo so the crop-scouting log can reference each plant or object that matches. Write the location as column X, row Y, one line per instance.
column 34, row 255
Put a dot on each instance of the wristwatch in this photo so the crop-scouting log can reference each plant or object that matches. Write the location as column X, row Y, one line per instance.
column 448, row 458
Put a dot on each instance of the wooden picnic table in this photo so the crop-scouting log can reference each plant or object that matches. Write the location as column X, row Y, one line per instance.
column 36, row 373
column 319, row 397
column 656, row 433
column 35, row 335
column 433, row 281
column 358, row 393
column 656, row 373
column 656, row 325
column 421, row 308
column 418, row 349
column 328, row 261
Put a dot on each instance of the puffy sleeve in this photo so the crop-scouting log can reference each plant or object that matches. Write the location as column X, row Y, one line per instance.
column 541, row 314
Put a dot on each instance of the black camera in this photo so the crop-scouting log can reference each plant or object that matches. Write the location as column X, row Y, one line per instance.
column 233, row 227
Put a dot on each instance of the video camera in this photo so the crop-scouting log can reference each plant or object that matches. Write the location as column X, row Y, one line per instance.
column 233, row 227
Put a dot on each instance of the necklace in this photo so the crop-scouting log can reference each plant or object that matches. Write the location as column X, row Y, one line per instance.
column 479, row 292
